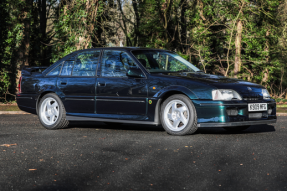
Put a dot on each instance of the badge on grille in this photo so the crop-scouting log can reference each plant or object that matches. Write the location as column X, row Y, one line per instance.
column 249, row 88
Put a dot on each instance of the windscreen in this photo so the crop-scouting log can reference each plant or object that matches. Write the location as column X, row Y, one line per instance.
column 163, row 61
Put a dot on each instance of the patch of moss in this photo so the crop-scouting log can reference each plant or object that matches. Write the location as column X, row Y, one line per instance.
column 9, row 108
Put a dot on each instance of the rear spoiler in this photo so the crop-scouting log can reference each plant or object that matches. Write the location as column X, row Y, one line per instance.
column 27, row 71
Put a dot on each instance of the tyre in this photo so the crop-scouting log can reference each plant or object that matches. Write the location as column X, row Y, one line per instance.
column 178, row 115
column 236, row 129
column 52, row 113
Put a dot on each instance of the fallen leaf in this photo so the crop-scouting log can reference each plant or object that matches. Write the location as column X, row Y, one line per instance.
column 84, row 136
column 126, row 158
column 186, row 146
column 219, row 170
column 41, row 160
column 32, row 169
column 241, row 164
column 8, row 145
column 267, row 173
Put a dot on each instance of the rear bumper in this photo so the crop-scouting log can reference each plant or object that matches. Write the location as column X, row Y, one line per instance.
column 234, row 124
column 27, row 102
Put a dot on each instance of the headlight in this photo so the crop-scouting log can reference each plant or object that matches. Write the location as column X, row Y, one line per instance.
column 225, row 95
column 265, row 94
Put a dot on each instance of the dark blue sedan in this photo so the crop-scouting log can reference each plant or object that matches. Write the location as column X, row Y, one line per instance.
column 141, row 86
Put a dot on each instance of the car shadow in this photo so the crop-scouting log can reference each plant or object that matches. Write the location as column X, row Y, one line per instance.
column 250, row 130
column 138, row 127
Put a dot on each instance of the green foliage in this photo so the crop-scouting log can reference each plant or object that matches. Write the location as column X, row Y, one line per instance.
column 202, row 31
column 11, row 32
column 76, row 26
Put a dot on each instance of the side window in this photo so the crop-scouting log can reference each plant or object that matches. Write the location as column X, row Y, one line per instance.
column 86, row 63
column 116, row 63
column 143, row 60
column 55, row 71
column 68, row 66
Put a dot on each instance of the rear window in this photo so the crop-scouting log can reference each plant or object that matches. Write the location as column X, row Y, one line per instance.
column 56, row 71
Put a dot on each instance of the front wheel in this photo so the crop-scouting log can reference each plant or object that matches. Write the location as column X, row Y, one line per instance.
column 52, row 114
column 178, row 115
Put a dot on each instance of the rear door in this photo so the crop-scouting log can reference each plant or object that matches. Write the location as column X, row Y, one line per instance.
column 116, row 93
column 77, row 82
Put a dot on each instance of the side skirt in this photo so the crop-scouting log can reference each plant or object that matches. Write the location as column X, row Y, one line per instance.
column 76, row 118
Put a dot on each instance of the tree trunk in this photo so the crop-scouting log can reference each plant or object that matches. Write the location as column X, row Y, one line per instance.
column 266, row 72
column 183, row 33
column 43, row 27
column 137, row 22
column 201, row 6
column 237, row 63
column 27, row 23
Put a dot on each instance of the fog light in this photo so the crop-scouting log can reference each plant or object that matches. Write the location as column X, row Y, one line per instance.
column 232, row 112
column 255, row 115
column 269, row 111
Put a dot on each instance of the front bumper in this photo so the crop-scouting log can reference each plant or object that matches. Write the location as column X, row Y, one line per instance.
column 218, row 113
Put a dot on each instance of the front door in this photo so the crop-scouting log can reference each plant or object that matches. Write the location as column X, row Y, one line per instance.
column 77, row 82
column 116, row 93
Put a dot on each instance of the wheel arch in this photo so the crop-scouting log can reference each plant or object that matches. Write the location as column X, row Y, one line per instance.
column 166, row 93
column 43, row 93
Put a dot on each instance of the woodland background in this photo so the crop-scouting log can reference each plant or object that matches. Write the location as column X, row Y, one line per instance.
column 244, row 39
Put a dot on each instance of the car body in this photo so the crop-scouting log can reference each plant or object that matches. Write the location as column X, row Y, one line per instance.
column 115, row 85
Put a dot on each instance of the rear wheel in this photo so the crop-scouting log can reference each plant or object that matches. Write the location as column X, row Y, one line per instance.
column 52, row 113
column 237, row 128
column 178, row 115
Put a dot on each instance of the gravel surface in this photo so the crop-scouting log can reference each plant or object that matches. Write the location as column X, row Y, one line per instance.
column 94, row 156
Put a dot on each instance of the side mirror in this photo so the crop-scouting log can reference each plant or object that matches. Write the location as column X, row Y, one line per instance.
column 135, row 72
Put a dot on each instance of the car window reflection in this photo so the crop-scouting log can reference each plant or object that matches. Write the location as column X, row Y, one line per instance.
column 116, row 63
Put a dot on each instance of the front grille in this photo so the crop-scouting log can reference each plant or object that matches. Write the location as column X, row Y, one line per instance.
column 254, row 95
column 252, row 98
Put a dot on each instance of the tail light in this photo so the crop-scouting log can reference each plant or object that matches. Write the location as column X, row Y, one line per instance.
column 19, row 85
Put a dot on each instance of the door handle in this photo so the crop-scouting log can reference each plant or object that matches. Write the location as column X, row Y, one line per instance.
column 102, row 84
column 63, row 83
